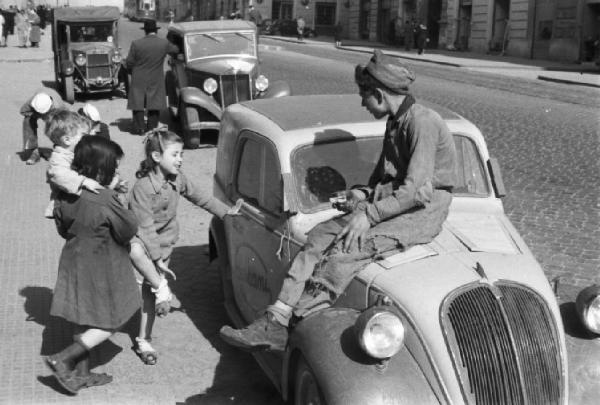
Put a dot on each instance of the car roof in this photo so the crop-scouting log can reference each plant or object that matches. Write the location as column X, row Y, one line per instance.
column 79, row 14
column 292, row 113
column 211, row 26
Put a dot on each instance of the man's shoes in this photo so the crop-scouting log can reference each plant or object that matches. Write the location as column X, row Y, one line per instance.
column 33, row 158
column 265, row 333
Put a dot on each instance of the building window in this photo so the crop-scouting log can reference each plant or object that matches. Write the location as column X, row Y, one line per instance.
column 325, row 14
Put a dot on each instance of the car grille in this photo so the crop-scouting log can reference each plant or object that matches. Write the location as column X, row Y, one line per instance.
column 234, row 88
column 98, row 65
column 505, row 346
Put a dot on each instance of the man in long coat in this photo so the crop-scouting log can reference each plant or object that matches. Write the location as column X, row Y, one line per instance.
column 147, row 90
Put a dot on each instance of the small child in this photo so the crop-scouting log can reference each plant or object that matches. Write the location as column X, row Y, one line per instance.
column 99, row 128
column 65, row 129
column 154, row 201
column 95, row 288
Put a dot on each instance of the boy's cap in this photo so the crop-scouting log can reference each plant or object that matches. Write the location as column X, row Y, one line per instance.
column 41, row 103
column 388, row 71
column 91, row 112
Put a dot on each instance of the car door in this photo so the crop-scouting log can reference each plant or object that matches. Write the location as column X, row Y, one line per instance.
column 176, row 77
column 259, row 248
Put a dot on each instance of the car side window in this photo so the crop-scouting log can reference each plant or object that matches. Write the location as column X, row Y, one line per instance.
column 470, row 173
column 258, row 179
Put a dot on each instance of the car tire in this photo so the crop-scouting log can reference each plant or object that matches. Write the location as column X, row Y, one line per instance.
column 68, row 89
column 172, row 99
column 306, row 388
column 191, row 138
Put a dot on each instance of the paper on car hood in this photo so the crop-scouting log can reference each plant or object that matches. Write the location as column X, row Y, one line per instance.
column 482, row 233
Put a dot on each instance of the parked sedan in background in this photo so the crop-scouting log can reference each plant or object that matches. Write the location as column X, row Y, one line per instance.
column 468, row 318
column 285, row 27
column 217, row 66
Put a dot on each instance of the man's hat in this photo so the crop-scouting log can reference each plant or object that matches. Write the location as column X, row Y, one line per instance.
column 386, row 70
column 150, row 26
column 41, row 103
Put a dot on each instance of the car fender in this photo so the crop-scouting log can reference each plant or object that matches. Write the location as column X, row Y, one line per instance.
column 195, row 96
column 67, row 68
column 345, row 373
column 276, row 89
column 217, row 241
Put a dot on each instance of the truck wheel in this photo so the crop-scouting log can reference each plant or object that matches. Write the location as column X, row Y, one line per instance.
column 68, row 89
column 191, row 138
column 306, row 388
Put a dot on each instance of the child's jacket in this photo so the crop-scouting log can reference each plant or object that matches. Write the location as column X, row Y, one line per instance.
column 154, row 203
column 95, row 284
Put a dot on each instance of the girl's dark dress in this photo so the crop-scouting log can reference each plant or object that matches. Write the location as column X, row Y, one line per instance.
column 95, row 285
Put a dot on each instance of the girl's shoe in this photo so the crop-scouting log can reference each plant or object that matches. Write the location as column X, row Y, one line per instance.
column 145, row 351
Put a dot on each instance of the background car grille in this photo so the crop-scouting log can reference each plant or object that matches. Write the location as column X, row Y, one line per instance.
column 505, row 346
column 98, row 65
column 234, row 88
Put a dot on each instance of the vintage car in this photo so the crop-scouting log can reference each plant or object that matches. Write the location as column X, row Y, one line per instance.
column 217, row 66
column 87, row 58
column 469, row 318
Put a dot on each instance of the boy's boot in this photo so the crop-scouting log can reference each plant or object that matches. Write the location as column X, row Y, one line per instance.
column 82, row 370
column 265, row 333
column 61, row 364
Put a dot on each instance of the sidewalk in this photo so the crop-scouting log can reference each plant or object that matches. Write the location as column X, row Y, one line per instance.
column 585, row 74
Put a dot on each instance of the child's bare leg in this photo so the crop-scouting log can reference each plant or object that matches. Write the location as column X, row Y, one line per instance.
column 144, row 265
column 148, row 314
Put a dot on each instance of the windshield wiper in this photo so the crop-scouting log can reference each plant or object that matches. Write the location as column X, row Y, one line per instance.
column 239, row 34
column 213, row 38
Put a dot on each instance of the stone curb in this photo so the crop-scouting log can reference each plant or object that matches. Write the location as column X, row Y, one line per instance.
column 567, row 81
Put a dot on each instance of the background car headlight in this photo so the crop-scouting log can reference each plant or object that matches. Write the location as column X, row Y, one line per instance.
column 210, row 85
column 261, row 83
column 588, row 308
column 380, row 332
column 80, row 59
column 116, row 58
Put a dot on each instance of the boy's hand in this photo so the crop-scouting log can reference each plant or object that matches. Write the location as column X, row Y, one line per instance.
column 235, row 210
column 163, row 298
column 122, row 187
column 91, row 185
column 162, row 267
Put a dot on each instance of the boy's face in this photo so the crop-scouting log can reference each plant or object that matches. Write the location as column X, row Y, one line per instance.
column 70, row 141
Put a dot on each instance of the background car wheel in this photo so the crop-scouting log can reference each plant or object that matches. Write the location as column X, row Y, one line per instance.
column 306, row 388
column 68, row 89
column 191, row 138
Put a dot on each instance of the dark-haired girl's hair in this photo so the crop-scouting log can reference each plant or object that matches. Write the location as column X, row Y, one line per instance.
column 156, row 141
column 97, row 158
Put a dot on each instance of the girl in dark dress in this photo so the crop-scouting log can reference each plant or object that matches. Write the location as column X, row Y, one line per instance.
column 95, row 287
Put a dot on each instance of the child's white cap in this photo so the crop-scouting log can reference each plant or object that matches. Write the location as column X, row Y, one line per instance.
column 91, row 112
column 41, row 103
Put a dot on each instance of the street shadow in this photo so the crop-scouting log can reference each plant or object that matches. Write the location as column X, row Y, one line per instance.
column 50, row 84
column 237, row 378
column 58, row 333
column 44, row 153
column 123, row 124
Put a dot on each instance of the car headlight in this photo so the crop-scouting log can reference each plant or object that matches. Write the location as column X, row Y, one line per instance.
column 380, row 332
column 588, row 308
column 80, row 59
column 261, row 83
column 210, row 85
column 116, row 58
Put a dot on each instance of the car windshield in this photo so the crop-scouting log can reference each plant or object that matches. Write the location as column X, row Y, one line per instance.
column 324, row 168
column 219, row 43
column 91, row 33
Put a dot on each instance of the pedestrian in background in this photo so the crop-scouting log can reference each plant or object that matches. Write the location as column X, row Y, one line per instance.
column 147, row 89
column 95, row 288
column 422, row 38
column 337, row 34
column 409, row 35
column 35, row 32
column 39, row 106
column 22, row 26
column 254, row 16
column 300, row 25
column 9, row 25
column 154, row 201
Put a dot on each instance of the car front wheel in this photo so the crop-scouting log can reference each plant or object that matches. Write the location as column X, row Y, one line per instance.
column 306, row 388
column 68, row 89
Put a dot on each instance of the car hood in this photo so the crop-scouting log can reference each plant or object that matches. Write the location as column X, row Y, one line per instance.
column 92, row 47
column 223, row 66
column 420, row 279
